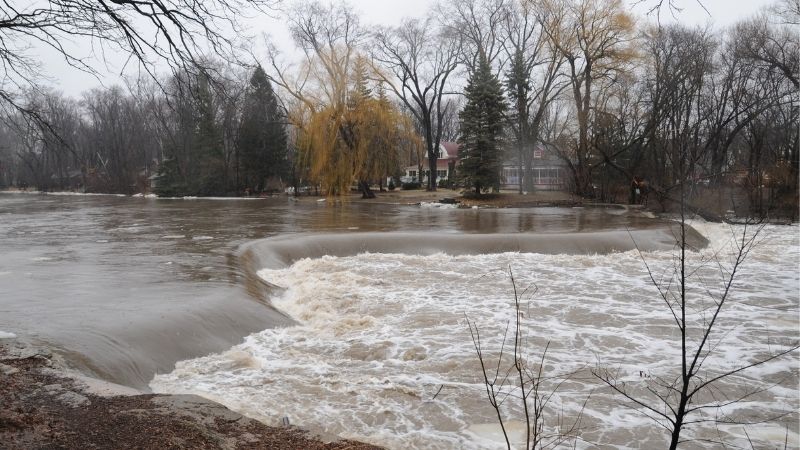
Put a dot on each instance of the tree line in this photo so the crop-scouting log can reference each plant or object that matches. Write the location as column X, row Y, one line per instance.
column 184, row 136
column 617, row 97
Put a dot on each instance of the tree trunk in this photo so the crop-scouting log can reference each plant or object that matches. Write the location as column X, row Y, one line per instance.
column 366, row 192
column 432, row 160
column 433, row 155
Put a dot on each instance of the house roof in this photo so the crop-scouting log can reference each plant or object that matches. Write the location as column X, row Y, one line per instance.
column 452, row 149
column 447, row 150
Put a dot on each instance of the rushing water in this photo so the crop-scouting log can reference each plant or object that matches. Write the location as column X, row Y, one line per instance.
column 374, row 343
column 124, row 287
column 379, row 335
column 382, row 351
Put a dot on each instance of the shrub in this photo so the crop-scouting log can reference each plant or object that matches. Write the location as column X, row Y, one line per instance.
column 410, row 186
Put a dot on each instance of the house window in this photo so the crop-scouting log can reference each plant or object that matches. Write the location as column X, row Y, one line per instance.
column 546, row 176
column 412, row 173
column 538, row 154
column 441, row 173
column 511, row 175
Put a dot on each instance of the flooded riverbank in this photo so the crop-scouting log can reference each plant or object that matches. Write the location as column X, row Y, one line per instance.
column 125, row 287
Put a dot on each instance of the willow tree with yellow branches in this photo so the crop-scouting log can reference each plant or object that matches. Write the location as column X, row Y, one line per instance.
column 357, row 141
column 346, row 134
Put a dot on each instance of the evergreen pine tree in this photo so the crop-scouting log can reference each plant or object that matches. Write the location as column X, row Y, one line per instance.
column 194, row 163
column 361, row 117
column 361, row 90
column 481, row 129
column 210, row 167
column 518, row 85
column 262, row 143
column 170, row 181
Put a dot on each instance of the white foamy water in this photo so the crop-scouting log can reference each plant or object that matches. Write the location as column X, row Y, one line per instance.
column 437, row 205
column 62, row 193
column 379, row 335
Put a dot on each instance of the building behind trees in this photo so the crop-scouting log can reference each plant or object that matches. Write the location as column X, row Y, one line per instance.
column 609, row 112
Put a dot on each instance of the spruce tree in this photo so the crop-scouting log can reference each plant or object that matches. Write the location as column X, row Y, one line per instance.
column 481, row 129
column 194, row 163
column 262, row 137
column 170, row 181
column 360, row 91
column 209, row 178
column 518, row 86
column 360, row 117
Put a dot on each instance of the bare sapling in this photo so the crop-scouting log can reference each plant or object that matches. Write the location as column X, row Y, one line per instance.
column 698, row 292
column 517, row 383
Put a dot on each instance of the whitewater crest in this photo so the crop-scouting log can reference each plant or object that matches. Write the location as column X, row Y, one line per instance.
column 381, row 351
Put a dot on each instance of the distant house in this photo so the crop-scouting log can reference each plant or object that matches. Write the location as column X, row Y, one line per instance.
column 152, row 182
column 72, row 180
column 549, row 171
column 445, row 165
column 147, row 178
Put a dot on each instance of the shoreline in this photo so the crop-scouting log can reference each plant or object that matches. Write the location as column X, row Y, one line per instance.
column 506, row 199
column 448, row 198
column 47, row 406
column 32, row 369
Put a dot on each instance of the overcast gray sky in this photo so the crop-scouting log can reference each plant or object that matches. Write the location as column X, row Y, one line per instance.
column 721, row 13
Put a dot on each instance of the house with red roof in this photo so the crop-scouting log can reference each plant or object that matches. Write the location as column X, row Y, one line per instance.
column 445, row 165
column 549, row 171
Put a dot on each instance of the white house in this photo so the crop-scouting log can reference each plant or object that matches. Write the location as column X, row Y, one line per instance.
column 548, row 171
column 445, row 165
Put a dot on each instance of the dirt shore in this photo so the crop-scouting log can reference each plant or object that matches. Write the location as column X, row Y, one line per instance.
column 41, row 406
column 505, row 199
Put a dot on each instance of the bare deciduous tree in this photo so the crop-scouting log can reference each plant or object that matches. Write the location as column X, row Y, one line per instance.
column 534, row 80
column 450, row 124
column 775, row 48
column 479, row 25
column 330, row 37
column 691, row 393
column 788, row 11
column 176, row 32
column 416, row 61
column 594, row 38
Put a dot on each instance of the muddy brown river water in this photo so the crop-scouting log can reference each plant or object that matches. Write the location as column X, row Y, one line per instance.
column 125, row 288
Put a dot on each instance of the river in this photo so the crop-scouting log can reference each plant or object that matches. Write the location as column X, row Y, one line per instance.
column 241, row 295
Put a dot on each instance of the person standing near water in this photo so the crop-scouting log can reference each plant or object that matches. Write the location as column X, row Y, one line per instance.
column 636, row 190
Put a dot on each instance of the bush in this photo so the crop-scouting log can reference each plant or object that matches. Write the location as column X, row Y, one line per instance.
column 410, row 186
column 443, row 183
column 391, row 185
